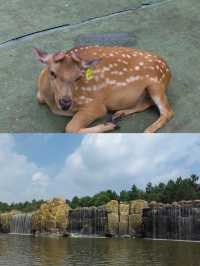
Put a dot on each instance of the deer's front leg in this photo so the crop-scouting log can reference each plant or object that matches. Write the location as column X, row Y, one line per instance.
column 40, row 97
column 62, row 113
column 83, row 118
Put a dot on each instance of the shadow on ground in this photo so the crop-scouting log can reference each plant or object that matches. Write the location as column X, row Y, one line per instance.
column 168, row 27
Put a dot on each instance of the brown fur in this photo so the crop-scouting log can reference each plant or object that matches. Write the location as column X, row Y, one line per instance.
column 124, row 81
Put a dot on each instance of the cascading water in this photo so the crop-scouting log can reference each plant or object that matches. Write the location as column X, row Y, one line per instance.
column 88, row 221
column 21, row 224
column 172, row 222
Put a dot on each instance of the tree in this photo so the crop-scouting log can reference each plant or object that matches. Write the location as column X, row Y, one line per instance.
column 75, row 202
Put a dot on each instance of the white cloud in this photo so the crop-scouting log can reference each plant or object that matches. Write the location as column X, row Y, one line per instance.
column 40, row 178
column 20, row 179
column 110, row 161
column 121, row 160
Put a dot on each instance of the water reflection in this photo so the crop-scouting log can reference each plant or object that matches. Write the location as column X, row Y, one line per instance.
column 42, row 251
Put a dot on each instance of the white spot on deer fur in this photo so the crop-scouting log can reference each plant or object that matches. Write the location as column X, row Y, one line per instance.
column 137, row 68
column 151, row 67
column 161, row 70
column 88, row 100
column 82, row 97
column 157, row 67
column 94, row 53
column 134, row 78
column 111, row 55
column 115, row 64
column 96, row 78
column 125, row 62
column 105, row 69
column 128, row 56
column 97, row 71
column 111, row 82
column 114, row 72
column 155, row 79
column 110, row 65
column 119, row 60
column 94, row 88
column 123, row 55
column 141, row 63
column 125, row 69
column 121, row 84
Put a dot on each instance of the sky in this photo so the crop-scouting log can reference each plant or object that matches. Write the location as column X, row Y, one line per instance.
column 42, row 166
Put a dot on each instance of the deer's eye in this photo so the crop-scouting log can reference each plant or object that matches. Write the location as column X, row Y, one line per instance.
column 53, row 74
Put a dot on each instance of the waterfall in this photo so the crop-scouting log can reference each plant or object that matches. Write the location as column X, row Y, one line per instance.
column 21, row 224
column 172, row 222
column 88, row 220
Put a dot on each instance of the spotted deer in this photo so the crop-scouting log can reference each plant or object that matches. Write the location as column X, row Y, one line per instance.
column 88, row 81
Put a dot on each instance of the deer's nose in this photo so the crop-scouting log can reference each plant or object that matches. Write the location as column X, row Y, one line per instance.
column 65, row 103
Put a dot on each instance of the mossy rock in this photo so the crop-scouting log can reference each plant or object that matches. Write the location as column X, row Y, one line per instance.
column 112, row 206
column 52, row 215
column 137, row 206
column 124, row 208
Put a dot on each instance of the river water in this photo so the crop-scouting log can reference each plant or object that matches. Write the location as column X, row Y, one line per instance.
column 19, row 250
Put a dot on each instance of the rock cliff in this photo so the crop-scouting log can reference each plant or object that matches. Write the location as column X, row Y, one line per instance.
column 52, row 217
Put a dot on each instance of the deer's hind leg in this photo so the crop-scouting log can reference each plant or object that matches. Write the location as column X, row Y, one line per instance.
column 158, row 95
column 143, row 104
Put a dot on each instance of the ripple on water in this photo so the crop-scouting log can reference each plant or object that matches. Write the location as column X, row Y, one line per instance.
column 43, row 251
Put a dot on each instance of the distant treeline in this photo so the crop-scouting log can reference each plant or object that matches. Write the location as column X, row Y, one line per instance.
column 180, row 189
column 173, row 190
column 24, row 207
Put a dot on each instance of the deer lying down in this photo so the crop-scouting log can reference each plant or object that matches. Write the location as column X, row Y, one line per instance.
column 88, row 81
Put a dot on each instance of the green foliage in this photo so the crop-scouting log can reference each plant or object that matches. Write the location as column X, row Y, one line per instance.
column 173, row 190
column 23, row 207
column 180, row 189
column 97, row 200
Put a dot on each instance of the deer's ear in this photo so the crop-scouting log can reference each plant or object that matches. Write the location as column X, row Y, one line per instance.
column 84, row 63
column 60, row 56
column 41, row 55
column 76, row 58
